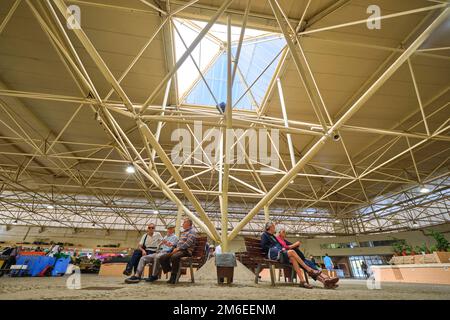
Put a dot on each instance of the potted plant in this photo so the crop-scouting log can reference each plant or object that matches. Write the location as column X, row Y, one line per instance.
column 441, row 249
column 398, row 247
column 442, row 243
column 408, row 250
column 423, row 249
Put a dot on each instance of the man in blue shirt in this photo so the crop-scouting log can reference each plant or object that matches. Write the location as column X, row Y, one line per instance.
column 329, row 265
column 166, row 246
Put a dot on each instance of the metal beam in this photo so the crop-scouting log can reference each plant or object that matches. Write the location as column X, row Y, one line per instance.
column 282, row 184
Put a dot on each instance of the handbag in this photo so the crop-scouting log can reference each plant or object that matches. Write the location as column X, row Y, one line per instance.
column 275, row 252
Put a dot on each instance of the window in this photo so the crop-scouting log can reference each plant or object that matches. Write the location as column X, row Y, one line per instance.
column 258, row 60
column 355, row 263
column 384, row 243
column 366, row 244
column 339, row 245
column 362, row 244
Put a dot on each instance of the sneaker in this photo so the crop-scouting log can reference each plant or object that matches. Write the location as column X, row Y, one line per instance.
column 132, row 279
column 151, row 279
column 127, row 273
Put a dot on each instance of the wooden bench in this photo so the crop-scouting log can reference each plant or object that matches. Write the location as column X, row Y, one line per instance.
column 257, row 260
column 197, row 260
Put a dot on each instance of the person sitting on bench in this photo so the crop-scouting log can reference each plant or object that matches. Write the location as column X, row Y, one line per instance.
column 167, row 244
column 275, row 251
column 185, row 247
column 281, row 238
column 148, row 245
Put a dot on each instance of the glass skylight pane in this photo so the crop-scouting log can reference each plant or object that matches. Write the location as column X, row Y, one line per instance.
column 260, row 53
column 202, row 54
column 220, row 31
column 216, row 78
column 255, row 56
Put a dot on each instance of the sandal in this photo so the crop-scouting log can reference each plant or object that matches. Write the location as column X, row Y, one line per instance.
column 333, row 280
column 305, row 285
column 330, row 282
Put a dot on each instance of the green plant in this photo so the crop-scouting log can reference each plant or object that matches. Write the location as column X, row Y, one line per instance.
column 442, row 243
column 408, row 249
column 398, row 246
column 422, row 248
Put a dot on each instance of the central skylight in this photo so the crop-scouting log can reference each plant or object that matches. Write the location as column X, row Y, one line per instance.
column 259, row 57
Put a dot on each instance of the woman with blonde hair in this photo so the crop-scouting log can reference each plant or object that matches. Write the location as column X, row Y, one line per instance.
column 299, row 261
column 275, row 250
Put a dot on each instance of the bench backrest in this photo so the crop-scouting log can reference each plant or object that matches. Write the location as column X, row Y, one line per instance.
column 200, row 247
column 253, row 247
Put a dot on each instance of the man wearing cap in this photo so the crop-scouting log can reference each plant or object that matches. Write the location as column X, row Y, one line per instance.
column 166, row 246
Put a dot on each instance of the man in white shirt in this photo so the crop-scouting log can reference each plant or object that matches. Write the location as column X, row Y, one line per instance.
column 167, row 244
column 149, row 244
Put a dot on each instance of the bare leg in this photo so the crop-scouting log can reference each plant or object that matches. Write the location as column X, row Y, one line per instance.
column 292, row 254
column 327, row 281
column 300, row 273
column 298, row 270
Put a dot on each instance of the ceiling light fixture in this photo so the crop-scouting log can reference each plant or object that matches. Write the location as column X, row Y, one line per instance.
column 424, row 189
column 155, row 211
column 130, row 169
column 50, row 207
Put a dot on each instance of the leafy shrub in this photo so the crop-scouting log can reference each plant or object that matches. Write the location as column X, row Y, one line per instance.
column 442, row 243
column 399, row 246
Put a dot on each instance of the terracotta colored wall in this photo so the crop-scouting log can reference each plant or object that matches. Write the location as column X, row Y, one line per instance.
column 417, row 274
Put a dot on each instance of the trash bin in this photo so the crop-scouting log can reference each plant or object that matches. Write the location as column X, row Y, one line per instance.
column 225, row 263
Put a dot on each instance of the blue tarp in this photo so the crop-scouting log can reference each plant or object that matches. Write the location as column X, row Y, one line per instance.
column 61, row 266
column 42, row 263
column 36, row 264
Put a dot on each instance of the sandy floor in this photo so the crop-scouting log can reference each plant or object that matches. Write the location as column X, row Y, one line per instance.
column 95, row 287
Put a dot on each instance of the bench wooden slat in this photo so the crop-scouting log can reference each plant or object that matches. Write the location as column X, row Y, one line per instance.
column 196, row 260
